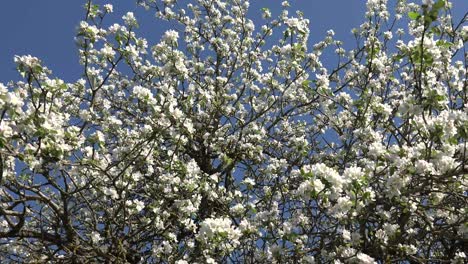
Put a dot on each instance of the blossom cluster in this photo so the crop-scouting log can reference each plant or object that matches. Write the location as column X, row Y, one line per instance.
column 230, row 141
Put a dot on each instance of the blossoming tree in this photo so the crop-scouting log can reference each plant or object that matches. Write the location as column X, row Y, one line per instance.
column 229, row 142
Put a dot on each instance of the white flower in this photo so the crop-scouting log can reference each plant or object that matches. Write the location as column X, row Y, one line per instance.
column 210, row 260
column 266, row 13
column 376, row 149
column 342, row 207
column 107, row 51
column 189, row 126
column 111, row 192
column 388, row 35
column 175, row 112
column 428, row 2
column 352, row 173
column 218, row 229
column 318, row 185
column 90, row 32
column 115, row 28
column 95, row 237
column 408, row 249
column 390, row 229
column 180, row 66
column 246, row 226
column 28, row 60
column 237, row 209
column 445, row 163
column 249, row 182
column 139, row 205
column 171, row 36
column 298, row 24
column 108, row 8
column 13, row 99
column 5, row 130
column 3, row 89
column 365, row 259
column 328, row 174
column 192, row 168
column 380, row 234
column 323, row 81
column 348, row 252
column 142, row 93
column 460, row 257
column 309, row 259
column 423, row 166
column 129, row 19
column 346, row 235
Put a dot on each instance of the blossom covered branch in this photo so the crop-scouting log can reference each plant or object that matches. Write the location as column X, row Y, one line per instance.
column 230, row 142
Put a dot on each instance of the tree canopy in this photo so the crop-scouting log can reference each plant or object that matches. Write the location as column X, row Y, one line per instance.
column 230, row 141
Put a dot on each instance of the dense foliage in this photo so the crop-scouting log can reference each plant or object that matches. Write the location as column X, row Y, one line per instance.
column 229, row 142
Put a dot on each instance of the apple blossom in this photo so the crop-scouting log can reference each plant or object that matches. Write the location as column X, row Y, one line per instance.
column 222, row 143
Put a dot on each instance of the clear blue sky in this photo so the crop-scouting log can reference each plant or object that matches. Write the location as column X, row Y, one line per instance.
column 45, row 28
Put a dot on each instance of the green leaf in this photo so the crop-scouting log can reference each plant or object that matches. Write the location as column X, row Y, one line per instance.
column 37, row 69
column 399, row 56
column 413, row 15
column 438, row 5
column 453, row 141
column 428, row 60
column 373, row 51
column 366, row 196
column 119, row 38
column 356, row 184
column 430, row 17
column 443, row 43
column 298, row 48
column 436, row 31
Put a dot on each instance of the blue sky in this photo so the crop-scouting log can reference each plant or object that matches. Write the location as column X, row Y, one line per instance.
column 46, row 28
